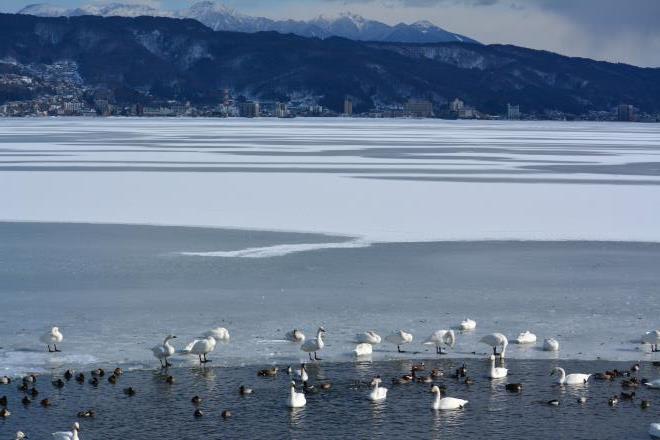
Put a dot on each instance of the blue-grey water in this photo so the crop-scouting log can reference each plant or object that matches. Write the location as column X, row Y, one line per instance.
column 163, row 411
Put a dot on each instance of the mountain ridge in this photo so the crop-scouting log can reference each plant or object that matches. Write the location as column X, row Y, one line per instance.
column 219, row 17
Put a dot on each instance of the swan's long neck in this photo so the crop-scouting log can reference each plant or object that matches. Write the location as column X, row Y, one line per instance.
column 293, row 391
column 75, row 435
column 562, row 375
column 503, row 350
column 437, row 399
column 319, row 338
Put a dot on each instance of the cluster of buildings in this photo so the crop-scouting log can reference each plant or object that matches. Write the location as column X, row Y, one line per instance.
column 103, row 104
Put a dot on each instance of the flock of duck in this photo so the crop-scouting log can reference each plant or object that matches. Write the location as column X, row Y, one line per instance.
column 442, row 340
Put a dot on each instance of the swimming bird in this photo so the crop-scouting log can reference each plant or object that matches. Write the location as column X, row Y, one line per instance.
column 118, row 371
column 220, row 334
column 198, row 413
column 202, row 347
column 4, row 413
column 513, row 387
column 612, row 400
column 399, row 338
column 655, row 383
column 468, row 324
column 68, row 374
column 34, row 392
column 112, row 379
column 170, row 380
column 550, row 344
column 54, row 336
column 244, row 391
column 295, row 335
column 295, row 399
column 368, row 337
column 496, row 372
column 302, row 373
column 69, row 435
column 653, row 338
column 80, row 377
column 164, row 351
column 571, row 379
column 526, row 337
column 5, row 380
column 87, row 414
column 314, row 345
column 654, row 430
column 268, row 372
column 645, row 404
column 20, row 435
column 59, row 383
column 440, row 338
column 627, row 396
column 581, row 400
column 226, row 414
column 377, row 392
column 130, row 391
column 363, row 349
column 496, row 340
column 26, row 400
column 553, row 402
column 45, row 402
column 196, row 400
column 446, row 403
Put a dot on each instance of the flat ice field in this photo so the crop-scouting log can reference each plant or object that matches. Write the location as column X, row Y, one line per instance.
column 379, row 180
column 388, row 225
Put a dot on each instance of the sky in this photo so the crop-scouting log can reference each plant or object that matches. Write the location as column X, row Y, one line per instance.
column 613, row 30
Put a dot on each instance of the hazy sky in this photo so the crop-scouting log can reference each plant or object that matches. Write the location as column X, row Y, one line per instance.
column 614, row 30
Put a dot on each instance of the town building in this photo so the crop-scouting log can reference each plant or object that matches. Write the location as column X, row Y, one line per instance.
column 418, row 108
column 512, row 112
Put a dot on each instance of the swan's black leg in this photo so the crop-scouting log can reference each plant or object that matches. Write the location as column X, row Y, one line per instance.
column 316, row 357
column 310, row 356
column 50, row 351
column 494, row 351
column 55, row 345
column 161, row 362
column 167, row 364
column 398, row 348
column 200, row 358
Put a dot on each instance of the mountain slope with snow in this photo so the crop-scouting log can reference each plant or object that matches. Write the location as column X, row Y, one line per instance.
column 222, row 18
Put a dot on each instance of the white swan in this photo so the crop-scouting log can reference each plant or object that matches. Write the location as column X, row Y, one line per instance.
column 526, row 337
column 201, row 347
column 163, row 351
column 315, row 344
column 653, row 338
column 496, row 372
column 655, row 383
column 446, row 403
column 295, row 399
column 550, row 344
column 399, row 338
column 220, row 334
column 295, row 335
column 54, row 336
column 468, row 324
column 363, row 349
column 20, row 435
column 302, row 373
column 440, row 338
column 654, row 430
column 570, row 379
column 496, row 340
column 69, row 435
column 368, row 337
column 377, row 392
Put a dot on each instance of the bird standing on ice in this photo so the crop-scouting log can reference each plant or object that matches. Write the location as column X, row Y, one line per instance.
column 496, row 340
column 164, row 351
column 653, row 338
column 54, row 336
column 315, row 344
column 440, row 338
column 69, row 435
column 468, row 324
column 201, row 347
column 399, row 338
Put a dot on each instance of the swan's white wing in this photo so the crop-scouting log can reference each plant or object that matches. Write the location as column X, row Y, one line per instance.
column 63, row 435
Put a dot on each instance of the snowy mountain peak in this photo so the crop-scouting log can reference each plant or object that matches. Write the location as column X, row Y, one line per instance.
column 43, row 10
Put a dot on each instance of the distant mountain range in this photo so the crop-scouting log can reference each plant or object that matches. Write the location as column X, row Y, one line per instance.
column 154, row 58
column 221, row 18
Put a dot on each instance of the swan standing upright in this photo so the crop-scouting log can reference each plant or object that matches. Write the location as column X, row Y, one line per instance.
column 653, row 338
column 440, row 338
column 446, row 403
column 201, row 347
column 295, row 399
column 399, row 338
column 377, row 392
column 368, row 337
column 570, row 379
column 314, row 345
column 496, row 372
column 68, row 435
column 164, row 351
column 496, row 340
column 295, row 335
column 220, row 334
column 468, row 324
column 54, row 336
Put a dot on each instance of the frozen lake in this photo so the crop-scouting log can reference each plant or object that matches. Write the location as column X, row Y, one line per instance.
column 390, row 225
column 380, row 180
